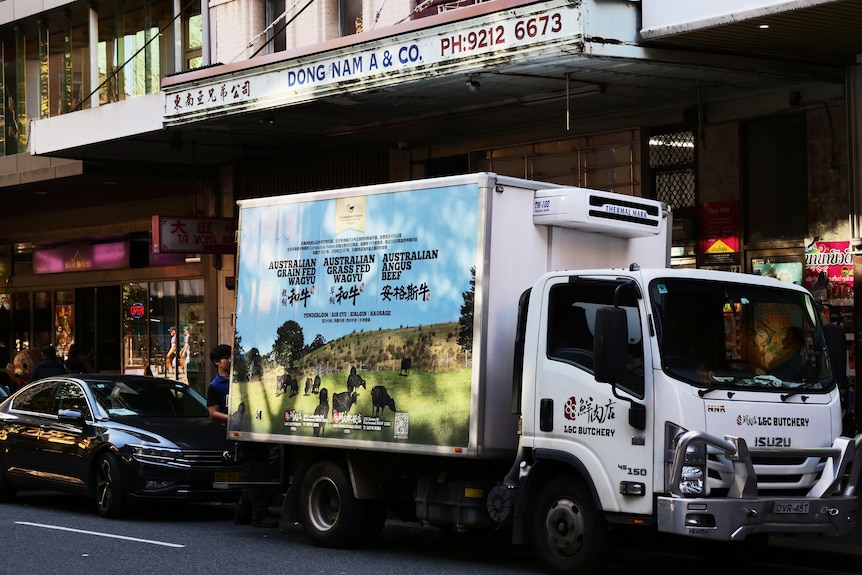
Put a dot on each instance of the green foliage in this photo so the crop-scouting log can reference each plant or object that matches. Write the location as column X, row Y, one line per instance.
column 288, row 345
column 239, row 365
column 465, row 322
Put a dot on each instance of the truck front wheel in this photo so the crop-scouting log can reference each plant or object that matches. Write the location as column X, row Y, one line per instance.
column 331, row 516
column 569, row 533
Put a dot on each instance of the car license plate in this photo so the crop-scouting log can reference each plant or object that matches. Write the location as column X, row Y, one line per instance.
column 790, row 507
column 228, row 476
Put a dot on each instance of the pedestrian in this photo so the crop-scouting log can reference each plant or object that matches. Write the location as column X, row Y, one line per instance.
column 217, row 389
column 185, row 351
column 77, row 363
column 253, row 505
column 172, row 352
column 49, row 365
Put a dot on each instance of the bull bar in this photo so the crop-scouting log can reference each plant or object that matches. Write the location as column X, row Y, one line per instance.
column 828, row 508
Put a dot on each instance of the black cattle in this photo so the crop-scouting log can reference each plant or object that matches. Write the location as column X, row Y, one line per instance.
column 307, row 386
column 322, row 409
column 281, row 384
column 380, row 400
column 343, row 401
column 315, row 387
column 406, row 363
column 294, row 387
column 354, row 381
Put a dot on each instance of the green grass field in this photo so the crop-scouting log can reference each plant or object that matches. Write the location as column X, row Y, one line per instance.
column 437, row 405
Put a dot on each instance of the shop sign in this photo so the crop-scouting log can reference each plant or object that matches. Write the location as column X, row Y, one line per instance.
column 719, row 242
column 835, row 259
column 137, row 310
column 189, row 235
column 467, row 44
column 109, row 256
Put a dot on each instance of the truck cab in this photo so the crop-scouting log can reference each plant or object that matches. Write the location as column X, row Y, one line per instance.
column 700, row 403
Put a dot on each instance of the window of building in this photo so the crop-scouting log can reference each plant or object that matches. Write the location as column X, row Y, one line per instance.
column 47, row 58
column 600, row 161
column 193, row 40
column 672, row 173
column 276, row 21
column 776, row 180
column 672, row 165
column 350, row 17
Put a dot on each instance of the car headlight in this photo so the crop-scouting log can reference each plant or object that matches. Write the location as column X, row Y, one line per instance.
column 157, row 454
column 693, row 475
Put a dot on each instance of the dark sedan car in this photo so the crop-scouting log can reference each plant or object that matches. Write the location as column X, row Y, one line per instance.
column 117, row 438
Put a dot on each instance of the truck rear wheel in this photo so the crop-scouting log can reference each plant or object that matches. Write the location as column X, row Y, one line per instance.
column 331, row 516
column 569, row 533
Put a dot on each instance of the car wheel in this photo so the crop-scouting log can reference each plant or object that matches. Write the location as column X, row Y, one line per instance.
column 110, row 493
column 569, row 532
column 331, row 516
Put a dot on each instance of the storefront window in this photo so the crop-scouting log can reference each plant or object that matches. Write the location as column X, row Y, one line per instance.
column 64, row 311
column 135, row 327
column 43, row 319
column 192, row 341
column 150, row 345
column 21, row 320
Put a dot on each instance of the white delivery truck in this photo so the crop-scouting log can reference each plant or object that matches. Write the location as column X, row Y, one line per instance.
column 480, row 351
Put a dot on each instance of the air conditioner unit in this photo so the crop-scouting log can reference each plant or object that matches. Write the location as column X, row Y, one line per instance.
column 597, row 211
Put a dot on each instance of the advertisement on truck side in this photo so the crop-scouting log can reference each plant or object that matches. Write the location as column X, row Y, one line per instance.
column 354, row 317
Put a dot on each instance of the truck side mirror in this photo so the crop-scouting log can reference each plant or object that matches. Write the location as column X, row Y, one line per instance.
column 610, row 344
column 610, row 348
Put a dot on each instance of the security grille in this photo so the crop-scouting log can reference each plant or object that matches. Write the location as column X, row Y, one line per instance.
column 672, row 163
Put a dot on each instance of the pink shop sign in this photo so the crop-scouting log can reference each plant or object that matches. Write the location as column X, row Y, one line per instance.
column 109, row 256
column 834, row 258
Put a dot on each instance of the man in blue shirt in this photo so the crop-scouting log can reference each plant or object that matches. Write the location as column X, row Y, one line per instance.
column 218, row 387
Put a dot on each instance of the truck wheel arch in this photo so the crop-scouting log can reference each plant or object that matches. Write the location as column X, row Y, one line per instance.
column 548, row 464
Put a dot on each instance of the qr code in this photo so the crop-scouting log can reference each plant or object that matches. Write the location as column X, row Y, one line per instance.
column 402, row 425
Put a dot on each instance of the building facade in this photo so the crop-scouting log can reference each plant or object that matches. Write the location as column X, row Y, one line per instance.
column 119, row 111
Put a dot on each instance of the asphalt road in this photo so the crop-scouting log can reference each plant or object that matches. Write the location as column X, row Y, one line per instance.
column 50, row 533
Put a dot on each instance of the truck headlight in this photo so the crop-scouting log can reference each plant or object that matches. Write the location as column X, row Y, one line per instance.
column 691, row 482
column 693, row 477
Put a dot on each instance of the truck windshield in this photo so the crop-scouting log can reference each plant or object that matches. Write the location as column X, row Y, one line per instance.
column 717, row 334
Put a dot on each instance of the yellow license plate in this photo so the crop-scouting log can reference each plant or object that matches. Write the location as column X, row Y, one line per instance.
column 229, row 476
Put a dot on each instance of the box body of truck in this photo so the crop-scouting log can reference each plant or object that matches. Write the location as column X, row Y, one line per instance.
column 412, row 286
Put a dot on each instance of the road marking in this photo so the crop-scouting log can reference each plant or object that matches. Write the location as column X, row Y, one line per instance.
column 96, row 533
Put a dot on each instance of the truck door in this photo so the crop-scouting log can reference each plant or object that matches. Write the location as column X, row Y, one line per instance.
column 585, row 421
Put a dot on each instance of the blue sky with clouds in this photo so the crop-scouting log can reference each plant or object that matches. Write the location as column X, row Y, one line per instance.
column 277, row 283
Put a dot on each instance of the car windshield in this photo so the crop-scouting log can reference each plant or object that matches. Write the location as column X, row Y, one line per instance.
column 727, row 335
column 148, row 396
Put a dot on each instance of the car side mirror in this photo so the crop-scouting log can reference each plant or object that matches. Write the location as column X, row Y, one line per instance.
column 71, row 415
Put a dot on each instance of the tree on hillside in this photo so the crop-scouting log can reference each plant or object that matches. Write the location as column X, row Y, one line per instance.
column 239, row 365
column 317, row 343
column 254, row 364
column 287, row 347
column 465, row 322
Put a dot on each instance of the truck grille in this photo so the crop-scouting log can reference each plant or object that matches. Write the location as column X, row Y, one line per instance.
column 784, row 474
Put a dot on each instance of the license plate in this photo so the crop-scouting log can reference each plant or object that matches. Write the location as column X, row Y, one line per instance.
column 790, row 507
column 228, row 476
